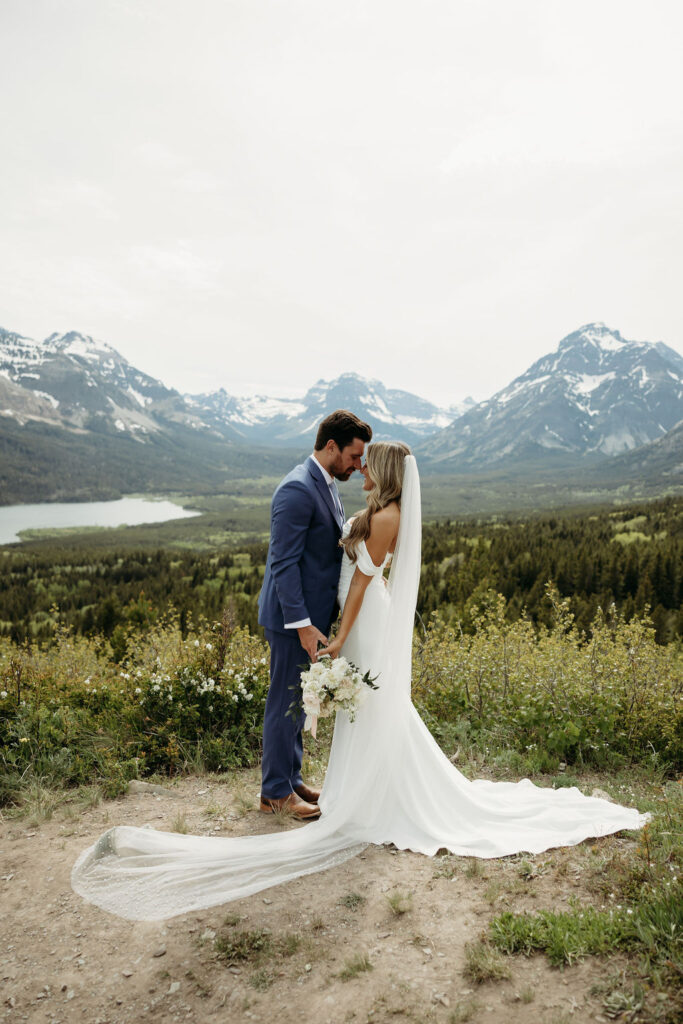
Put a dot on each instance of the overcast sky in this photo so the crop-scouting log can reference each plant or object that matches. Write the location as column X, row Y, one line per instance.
column 256, row 194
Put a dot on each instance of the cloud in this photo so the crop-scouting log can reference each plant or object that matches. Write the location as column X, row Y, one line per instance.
column 66, row 200
column 176, row 265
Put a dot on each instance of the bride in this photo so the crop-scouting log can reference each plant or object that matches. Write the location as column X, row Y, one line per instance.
column 387, row 779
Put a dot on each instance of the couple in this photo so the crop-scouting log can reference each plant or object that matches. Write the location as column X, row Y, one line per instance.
column 387, row 779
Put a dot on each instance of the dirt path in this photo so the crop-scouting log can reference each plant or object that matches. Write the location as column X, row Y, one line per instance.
column 63, row 960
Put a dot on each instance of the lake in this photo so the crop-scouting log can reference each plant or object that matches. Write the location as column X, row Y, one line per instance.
column 60, row 515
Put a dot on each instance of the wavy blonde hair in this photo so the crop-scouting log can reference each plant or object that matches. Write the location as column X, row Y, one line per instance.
column 386, row 465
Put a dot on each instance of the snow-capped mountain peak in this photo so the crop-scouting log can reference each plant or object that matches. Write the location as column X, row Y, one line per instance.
column 597, row 334
column 81, row 383
column 391, row 413
column 597, row 393
column 82, row 346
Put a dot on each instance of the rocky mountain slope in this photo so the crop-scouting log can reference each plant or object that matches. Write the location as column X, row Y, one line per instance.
column 76, row 382
column 79, row 383
column 391, row 413
column 596, row 395
column 79, row 421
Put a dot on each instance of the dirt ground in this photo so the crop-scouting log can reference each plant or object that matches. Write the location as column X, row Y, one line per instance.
column 64, row 960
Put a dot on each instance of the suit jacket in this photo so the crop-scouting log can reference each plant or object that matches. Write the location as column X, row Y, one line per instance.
column 304, row 557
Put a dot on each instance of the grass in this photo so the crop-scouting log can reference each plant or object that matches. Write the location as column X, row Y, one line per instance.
column 484, row 963
column 527, row 870
column 37, row 802
column 464, row 1011
column 214, row 810
column 243, row 801
column 288, row 944
column 474, row 869
column 654, row 927
column 282, row 817
column 180, row 823
column 261, row 979
column 243, row 946
column 355, row 965
column 447, row 867
column 352, row 901
column 400, row 902
column 494, row 892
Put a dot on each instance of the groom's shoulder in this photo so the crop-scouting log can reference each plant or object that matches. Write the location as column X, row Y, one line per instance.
column 297, row 479
column 299, row 474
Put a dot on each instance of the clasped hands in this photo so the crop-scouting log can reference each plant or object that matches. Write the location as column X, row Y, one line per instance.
column 310, row 637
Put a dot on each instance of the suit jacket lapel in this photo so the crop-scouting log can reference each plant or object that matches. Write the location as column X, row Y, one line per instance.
column 324, row 492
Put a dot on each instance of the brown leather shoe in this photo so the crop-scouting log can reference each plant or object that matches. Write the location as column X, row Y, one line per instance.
column 306, row 793
column 293, row 805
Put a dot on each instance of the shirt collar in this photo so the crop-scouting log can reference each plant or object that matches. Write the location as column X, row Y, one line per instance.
column 329, row 480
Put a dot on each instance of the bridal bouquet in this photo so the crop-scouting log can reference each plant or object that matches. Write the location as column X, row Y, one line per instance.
column 329, row 685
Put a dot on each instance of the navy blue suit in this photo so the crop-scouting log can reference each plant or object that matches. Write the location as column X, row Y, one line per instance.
column 300, row 581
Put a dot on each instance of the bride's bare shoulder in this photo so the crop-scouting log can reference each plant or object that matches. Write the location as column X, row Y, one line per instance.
column 384, row 522
column 389, row 515
column 383, row 532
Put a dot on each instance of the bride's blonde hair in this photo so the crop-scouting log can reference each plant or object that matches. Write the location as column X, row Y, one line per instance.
column 386, row 465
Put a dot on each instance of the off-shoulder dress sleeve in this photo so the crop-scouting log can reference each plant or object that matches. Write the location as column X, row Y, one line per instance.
column 365, row 563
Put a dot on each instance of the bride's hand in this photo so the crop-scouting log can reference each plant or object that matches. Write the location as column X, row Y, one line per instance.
column 332, row 649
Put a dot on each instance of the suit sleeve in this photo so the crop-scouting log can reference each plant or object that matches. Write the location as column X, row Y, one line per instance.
column 290, row 519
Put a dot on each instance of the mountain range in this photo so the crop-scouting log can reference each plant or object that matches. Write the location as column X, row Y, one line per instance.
column 79, row 383
column 76, row 417
column 596, row 395
column 392, row 414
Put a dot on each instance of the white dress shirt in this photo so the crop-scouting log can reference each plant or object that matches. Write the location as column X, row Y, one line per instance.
column 336, row 500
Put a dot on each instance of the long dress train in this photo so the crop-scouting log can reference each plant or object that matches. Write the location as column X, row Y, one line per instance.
column 387, row 782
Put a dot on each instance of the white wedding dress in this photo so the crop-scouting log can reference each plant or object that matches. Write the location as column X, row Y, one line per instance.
column 387, row 782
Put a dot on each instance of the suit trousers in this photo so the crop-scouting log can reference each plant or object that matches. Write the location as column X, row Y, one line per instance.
column 282, row 740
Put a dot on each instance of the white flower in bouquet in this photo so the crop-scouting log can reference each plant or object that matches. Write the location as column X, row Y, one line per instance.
column 330, row 685
column 312, row 704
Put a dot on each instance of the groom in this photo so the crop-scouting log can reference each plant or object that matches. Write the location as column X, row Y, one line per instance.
column 298, row 599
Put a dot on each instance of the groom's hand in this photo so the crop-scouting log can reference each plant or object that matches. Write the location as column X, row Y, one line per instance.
column 309, row 638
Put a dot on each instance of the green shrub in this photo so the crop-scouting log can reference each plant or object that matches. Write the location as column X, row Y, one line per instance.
column 71, row 715
column 556, row 694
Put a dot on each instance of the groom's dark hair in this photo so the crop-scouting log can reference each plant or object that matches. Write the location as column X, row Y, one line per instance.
column 341, row 427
